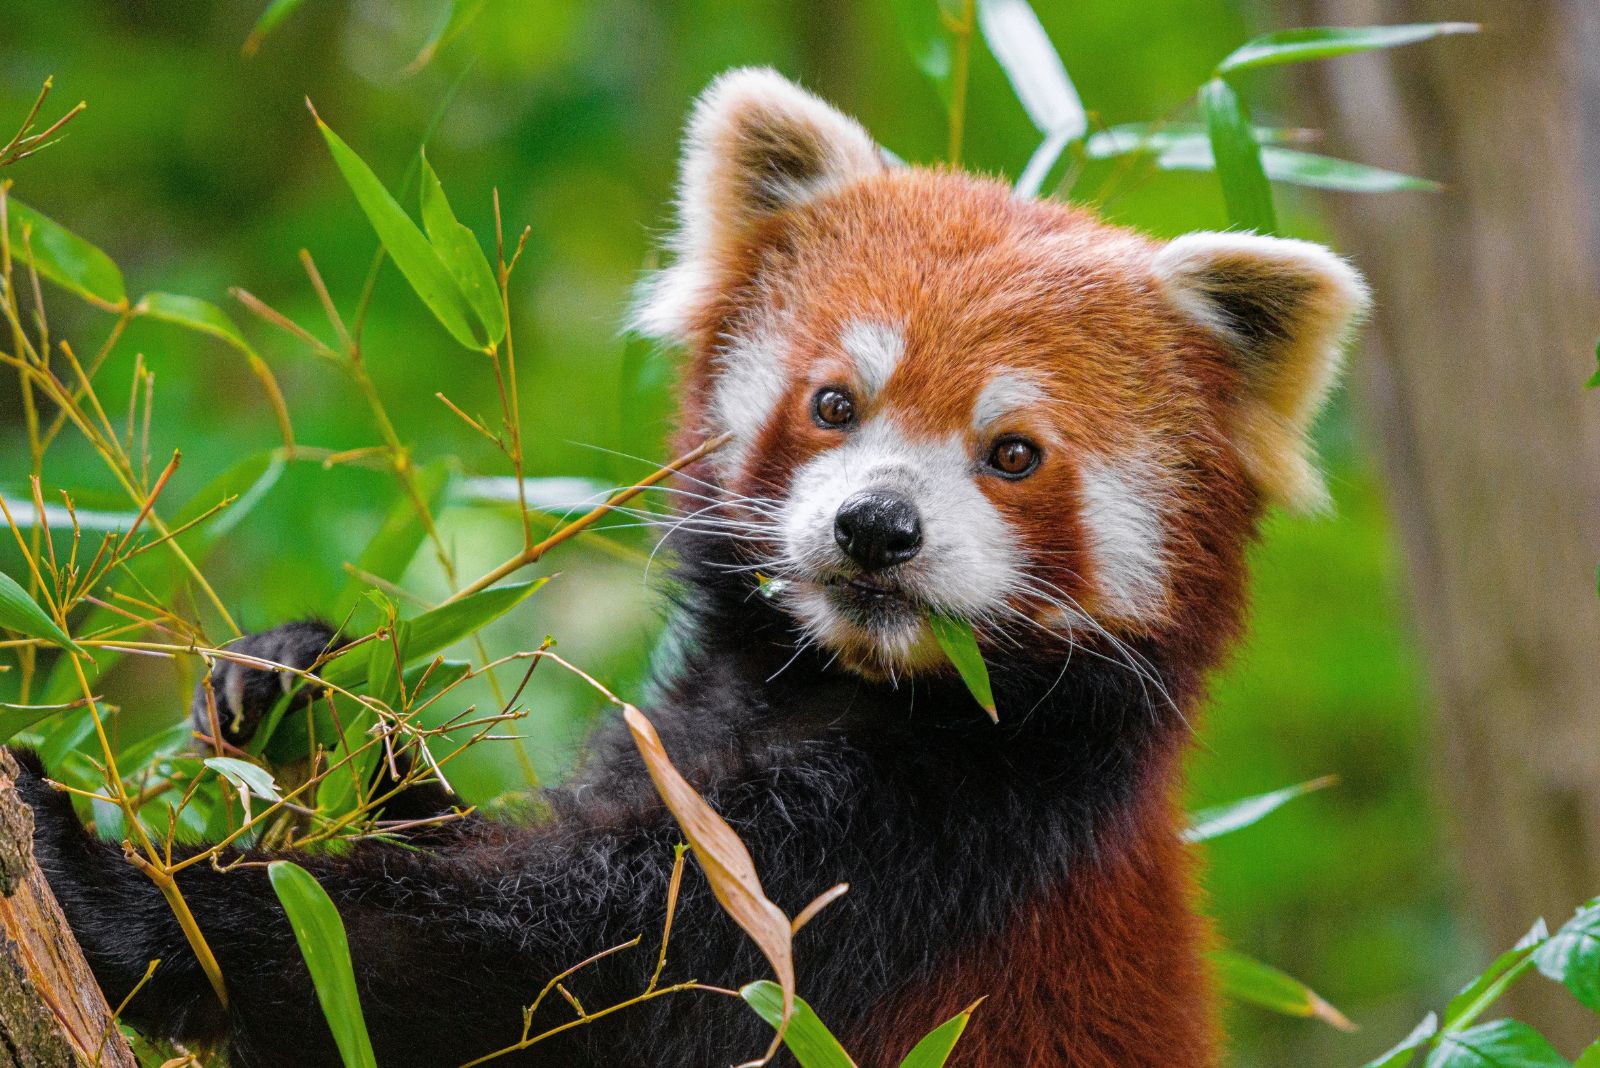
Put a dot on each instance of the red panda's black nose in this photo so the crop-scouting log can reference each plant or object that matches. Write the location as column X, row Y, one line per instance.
column 878, row 529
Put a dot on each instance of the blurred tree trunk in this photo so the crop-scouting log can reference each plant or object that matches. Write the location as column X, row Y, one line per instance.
column 51, row 1012
column 1470, row 381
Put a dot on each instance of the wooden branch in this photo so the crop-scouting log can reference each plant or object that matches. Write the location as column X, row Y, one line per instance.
column 52, row 1014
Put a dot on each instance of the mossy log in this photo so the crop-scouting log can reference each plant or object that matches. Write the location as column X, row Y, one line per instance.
column 52, row 1014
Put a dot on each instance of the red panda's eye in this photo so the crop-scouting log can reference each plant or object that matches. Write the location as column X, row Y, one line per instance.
column 1014, row 457
column 834, row 408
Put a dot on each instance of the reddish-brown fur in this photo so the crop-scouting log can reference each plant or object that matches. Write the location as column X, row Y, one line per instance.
column 1106, row 968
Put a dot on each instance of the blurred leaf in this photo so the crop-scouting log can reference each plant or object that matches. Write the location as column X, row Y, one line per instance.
column 275, row 13
column 1465, row 1008
column 812, row 1044
column 1589, row 1058
column 1594, row 379
column 1238, row 159
column 21, row 613
column 1218, row 820
column 1157, row 137
column 438, row 628
column 1502, row 1044
column 1323, row 42
column 248, row 776
column 935, row 1047
column 1572, row 955
column 956, row 638
column 17, row 718
column 922, row 27
column 456, row 17
column 1406, row 1052
column 1300, row 168
column 1033, row 67
column 1243, row 978
column 320, row 932
column 194, row 313
column 405, row 243
column 395, row 544
column 63, row 257
column 558, row 494
column 724, row 859
column 247, row 481
column 1041, row 163
column 458, row 249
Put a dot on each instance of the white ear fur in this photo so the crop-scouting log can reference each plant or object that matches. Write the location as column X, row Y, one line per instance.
column 756, row 144
column 1284, row 308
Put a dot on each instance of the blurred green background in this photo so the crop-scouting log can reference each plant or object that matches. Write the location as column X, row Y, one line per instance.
column 199, row 169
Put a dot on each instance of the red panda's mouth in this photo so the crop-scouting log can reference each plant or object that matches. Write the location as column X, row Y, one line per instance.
column 871, row 600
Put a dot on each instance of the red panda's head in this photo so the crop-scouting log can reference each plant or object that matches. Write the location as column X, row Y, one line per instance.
column 944, row 398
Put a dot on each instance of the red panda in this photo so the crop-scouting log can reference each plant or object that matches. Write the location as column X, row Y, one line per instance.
column 942, row 398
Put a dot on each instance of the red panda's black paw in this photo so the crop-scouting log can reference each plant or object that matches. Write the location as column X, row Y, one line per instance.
column 241, row 695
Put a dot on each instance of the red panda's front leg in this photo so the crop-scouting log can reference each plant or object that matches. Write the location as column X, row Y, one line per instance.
column 449, row 944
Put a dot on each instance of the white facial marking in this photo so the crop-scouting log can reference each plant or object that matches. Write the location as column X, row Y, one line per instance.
column 1004, row 393
column 1122, row 517
column 750, row 380
column 875, row 349
column 967, row 566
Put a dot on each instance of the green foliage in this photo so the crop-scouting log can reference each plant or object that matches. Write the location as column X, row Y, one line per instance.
column 418, row 259
column 960, row 644
column 21, row 613
column 63, row 257
column 814, row 1046
column 590, row 157
column 320, row 933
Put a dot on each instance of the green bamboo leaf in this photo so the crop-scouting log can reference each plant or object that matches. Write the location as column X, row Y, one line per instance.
column 1594, row 379
column 1572, row 955
column 1501, row 1044
column 275, row 13
column 1323, row 42
column 1238, row 159
column 245, row 775
column 405, row 244
column 1474, row 998
column 14, row 719
column 21, row 613
column 812, row 1044
column 320, row 933
column 1589, row 1058
column 960, row 644
column 195, row 314
column 1157, row 137
column 458, row 249
column 438, row 628
column 1244, row 978
column 1218, row 820
column 63, row 257
column 1299, row 168
column 453, row 20
column 923, row 30
column 935, row 1047
column 1406, row 1051
column 1033, row 67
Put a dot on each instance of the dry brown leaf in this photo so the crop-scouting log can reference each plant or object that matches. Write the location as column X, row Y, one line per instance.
column 726, row 862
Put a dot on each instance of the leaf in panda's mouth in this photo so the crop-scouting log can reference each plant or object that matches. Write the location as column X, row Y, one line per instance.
column 960, row 644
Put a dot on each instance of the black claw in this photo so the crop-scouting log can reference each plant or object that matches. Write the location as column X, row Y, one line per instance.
column 243, row 695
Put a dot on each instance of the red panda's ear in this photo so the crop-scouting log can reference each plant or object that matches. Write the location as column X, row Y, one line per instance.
column 756, row 144
column 1283, row 309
